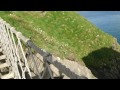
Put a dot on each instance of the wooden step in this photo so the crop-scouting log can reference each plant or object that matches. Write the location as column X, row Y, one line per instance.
column 0, row 49
column 3, row 65
column 2, row 57
column 8, row 76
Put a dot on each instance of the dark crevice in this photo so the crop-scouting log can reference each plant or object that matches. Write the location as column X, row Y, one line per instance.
column 104, row 63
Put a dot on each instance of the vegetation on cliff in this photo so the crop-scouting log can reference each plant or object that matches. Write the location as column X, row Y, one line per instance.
column 68, row 35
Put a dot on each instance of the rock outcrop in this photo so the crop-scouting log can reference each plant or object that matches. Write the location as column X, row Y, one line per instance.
column 75, row 67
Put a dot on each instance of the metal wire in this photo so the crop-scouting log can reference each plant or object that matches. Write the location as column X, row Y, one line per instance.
column 12, row 44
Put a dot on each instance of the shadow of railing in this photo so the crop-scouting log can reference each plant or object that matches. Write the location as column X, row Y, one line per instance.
column 104, row 63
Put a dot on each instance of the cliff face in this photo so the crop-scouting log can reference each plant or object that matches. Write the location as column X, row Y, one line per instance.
column 71, row 36
column 107, row 65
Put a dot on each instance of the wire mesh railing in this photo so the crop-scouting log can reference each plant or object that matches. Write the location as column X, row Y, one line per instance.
column 25, row 59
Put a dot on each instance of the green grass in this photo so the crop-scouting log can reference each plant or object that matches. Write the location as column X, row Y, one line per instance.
column 62, row 33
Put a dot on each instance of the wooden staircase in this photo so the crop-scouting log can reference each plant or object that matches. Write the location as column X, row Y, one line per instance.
column 4, row 67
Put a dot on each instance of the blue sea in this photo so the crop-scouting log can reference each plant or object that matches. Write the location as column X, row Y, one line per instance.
column 108, row 21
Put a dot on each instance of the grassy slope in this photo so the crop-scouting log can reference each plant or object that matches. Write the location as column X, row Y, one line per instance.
column 65, row 34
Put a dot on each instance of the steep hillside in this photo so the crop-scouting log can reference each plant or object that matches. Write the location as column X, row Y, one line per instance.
column 68, row 35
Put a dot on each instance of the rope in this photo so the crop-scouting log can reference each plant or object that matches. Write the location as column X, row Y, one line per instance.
column 52, row 60
column 10, row 50
column 13, row 53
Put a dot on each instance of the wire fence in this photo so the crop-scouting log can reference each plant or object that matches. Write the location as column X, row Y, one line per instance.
column 26, row 60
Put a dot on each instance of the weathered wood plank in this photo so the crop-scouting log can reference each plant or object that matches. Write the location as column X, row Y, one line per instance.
column 8, row 76
column 2, row 57
column 3, row 65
